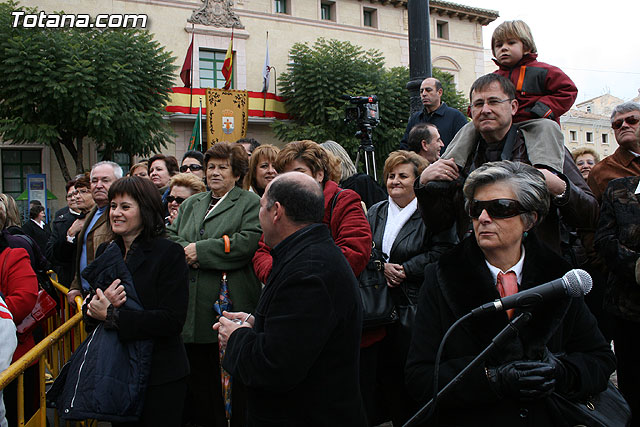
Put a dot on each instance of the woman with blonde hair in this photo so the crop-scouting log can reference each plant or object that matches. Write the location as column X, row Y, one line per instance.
column 181, row 187
column 140, row 169
column 262, row 168
column 343, row 212
column 367, row 188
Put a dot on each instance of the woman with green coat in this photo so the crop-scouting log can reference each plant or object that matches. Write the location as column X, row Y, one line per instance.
column 203, row 219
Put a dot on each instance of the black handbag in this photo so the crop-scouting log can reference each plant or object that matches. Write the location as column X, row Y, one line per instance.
column 607, row 409
column 377, row 305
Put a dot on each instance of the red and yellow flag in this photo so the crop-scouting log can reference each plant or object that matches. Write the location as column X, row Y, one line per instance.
column 227, row 66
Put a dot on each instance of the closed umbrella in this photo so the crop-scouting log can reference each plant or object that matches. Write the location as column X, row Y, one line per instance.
column 223, row 303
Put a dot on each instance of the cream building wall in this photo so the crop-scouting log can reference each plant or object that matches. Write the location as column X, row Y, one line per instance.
column 460, row 52
column 577, row 125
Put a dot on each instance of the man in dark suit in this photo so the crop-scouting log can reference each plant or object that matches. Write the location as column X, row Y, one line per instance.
column 298, row 354
column 95, row 229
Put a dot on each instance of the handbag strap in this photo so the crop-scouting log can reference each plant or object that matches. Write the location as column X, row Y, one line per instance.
column 334, row 200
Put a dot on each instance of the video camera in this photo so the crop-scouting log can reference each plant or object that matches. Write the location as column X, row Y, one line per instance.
column 365, row 110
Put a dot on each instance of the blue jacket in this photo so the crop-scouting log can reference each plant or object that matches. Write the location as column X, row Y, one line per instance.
column 105, row 378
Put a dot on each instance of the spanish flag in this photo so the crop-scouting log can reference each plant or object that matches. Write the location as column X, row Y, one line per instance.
column 227, row 66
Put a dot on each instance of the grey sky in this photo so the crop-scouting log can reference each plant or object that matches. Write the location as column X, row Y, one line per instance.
column 595, row 43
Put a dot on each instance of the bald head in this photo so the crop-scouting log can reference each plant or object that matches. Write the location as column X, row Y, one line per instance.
column 431, row 94
column 290, row 202
column 299, row 194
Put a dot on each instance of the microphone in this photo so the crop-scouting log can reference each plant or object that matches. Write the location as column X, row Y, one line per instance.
column 574, row 283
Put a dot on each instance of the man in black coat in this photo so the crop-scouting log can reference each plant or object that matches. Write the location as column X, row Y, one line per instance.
column 298, row 353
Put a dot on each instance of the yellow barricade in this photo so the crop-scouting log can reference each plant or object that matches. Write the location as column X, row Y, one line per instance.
column 64, row 333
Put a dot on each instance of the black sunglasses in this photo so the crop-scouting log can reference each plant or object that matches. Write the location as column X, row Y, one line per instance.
column 497, row 208
column 631, row 120
column 193, row 167
column 178, row 200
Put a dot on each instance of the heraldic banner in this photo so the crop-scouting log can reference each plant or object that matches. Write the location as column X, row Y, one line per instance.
column 227, row 115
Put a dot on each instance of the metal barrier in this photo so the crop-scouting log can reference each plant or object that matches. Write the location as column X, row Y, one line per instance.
column 64, row 332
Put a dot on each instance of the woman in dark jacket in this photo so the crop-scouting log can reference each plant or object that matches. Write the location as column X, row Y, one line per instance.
column 407, row 245
column 560, row 349
column 160, row 278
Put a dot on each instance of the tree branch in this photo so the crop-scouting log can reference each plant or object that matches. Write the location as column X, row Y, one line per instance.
column 57, row 149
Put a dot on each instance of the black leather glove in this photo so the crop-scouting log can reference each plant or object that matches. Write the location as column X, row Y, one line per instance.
column 561, row 374
column 522, row 379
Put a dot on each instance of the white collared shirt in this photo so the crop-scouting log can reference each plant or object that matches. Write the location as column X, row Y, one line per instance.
column 516, row 269
column 40, row 223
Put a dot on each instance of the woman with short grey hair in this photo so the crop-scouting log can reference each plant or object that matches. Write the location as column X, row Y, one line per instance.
column 527, row 183
column 559, row 350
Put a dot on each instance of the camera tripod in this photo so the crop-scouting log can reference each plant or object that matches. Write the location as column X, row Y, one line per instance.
column 367, row 150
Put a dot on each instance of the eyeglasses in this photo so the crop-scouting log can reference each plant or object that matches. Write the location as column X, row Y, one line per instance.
column 83, row 192
column 491, row 102
column 178, row 200
column 631, row 120
column 497, row 208
column 194, row 167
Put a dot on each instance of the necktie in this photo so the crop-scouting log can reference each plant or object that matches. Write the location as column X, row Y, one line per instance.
column 507, row 285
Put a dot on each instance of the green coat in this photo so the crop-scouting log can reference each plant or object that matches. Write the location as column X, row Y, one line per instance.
column 237, row 217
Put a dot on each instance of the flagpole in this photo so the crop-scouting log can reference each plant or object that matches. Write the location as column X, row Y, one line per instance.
column 191, row 72
column 199, row 118
column 264, row 92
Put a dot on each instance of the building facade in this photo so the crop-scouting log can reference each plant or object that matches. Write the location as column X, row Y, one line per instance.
column 456, row 47
column 589, row 125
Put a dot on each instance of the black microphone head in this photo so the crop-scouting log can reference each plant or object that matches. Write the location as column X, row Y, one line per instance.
column 578, row 282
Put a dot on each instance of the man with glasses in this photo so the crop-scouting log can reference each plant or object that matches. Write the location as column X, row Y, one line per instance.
column 60, row 250
column 192, row 162
column 95, row 229
column 625, row 161
column 493, row 105
column 448, row 120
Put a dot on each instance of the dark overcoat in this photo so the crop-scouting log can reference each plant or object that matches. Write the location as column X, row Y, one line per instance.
column 460, row 282
column 300, row 361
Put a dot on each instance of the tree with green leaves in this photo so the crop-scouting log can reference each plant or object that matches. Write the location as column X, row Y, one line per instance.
column 319, row 74
column 65, row 86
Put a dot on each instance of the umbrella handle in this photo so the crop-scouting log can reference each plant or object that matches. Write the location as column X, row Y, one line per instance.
column 227, row 244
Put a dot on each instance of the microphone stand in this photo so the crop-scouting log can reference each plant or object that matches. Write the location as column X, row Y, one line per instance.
column 510, row 331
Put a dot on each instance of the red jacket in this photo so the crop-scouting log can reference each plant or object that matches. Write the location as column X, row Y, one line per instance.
column 19, row 286
column 542, row 90
column 348, row 226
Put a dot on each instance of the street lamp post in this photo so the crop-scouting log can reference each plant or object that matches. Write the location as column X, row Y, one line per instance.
column 419, row 49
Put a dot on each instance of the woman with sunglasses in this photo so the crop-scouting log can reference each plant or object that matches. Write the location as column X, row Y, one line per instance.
column 181, row 187
column 560, row 349
column 192, row 162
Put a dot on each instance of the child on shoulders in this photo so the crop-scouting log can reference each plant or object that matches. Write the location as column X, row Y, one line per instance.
column 543, row 92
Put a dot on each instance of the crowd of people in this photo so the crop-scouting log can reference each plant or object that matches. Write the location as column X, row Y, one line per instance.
column 248, row 257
